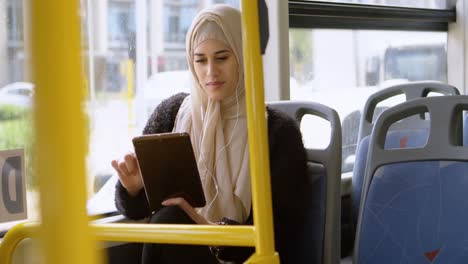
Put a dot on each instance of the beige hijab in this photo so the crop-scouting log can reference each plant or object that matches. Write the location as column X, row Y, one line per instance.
column 218, row 129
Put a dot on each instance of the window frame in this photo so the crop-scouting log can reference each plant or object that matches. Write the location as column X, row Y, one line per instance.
column 307, row 14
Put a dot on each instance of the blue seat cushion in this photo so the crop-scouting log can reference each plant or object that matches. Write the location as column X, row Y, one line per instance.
column 416, row 212
column 411, row 138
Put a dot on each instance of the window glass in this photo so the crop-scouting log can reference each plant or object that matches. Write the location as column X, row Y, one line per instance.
column 121, row 23
column 125, row 82
column 176, row 25
column 433, row 4
column 16, row 97
column 341, row 68
column 129, row 82
column 318, row 131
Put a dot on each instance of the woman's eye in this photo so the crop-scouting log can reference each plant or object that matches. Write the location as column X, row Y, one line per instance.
column 200, row 61
column 222, row 58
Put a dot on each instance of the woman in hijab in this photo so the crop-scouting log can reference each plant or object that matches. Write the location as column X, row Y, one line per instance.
column 214, row 114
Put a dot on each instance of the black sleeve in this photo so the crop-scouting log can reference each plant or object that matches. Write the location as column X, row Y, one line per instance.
column 163, row 117
column 161, row 121
column 288, row 171
column 288, row 162
column 132, row 207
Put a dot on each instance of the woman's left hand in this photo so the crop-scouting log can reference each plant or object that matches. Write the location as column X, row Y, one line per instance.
column 188, row 209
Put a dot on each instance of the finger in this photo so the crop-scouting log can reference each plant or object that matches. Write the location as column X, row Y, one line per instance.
column 123, row 168
column 173, row 201
column 115, row 165
column 187, row 208
column 131, row 162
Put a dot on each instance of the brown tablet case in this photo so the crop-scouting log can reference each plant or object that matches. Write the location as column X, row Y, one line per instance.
column 168, row 168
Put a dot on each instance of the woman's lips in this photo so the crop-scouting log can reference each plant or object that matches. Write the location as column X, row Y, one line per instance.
column 215, row 84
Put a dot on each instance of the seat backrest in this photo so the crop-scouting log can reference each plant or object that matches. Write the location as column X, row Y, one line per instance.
column 409, row 132
column 349, row 137
column 322, row 239
column 413, row 205
column 412, row 90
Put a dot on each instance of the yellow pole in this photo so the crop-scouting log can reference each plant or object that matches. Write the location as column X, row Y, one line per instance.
column 60, row 134
column 258, row 139
column 130, row 93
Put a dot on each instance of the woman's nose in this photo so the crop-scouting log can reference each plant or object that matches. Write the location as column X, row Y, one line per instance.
column 212, row 69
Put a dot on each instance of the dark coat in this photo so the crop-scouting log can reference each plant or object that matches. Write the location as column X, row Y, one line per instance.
column 288, row 176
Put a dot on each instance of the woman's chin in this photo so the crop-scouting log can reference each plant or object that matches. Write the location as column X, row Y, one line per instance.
column 216, row 96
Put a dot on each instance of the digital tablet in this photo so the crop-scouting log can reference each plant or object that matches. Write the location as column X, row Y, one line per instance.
column 168, row 169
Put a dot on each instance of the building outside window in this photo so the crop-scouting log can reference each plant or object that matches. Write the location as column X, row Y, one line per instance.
column 15, row 21
column 121, row 23
column 15, row 36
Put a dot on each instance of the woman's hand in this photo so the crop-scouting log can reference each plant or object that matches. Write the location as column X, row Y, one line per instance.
column 188, row 209
column 129, row 174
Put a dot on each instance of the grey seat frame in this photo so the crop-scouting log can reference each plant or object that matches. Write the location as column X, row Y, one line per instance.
column 330, row 158
column 412, row 90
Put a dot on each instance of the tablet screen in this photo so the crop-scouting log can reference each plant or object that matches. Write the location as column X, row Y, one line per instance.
column 168, row 168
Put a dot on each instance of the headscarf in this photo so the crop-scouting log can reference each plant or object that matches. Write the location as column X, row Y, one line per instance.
column 218, row 129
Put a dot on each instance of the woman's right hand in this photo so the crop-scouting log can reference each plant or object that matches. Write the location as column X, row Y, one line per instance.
column 129, row 173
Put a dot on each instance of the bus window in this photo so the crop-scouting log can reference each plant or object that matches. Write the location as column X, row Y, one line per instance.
column 124, row 79
column 341, row 68
column 404, row 62
column 144, row 63
column 16, row 99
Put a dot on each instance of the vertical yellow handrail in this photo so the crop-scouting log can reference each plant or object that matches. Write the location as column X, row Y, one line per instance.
column 258, row 139
column 60, row 134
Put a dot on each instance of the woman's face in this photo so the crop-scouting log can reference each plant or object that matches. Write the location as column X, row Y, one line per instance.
column 216, row 68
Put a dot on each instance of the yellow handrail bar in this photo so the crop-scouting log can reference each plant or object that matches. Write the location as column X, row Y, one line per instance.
column 66, row 213
column 13, row 237
column 60, row 133
column 242, row 236
column 177, row 234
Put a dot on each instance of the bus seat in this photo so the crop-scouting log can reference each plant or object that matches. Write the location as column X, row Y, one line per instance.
column 413, row 205
column 321, row 242
column 409, row 132
column 349, row 137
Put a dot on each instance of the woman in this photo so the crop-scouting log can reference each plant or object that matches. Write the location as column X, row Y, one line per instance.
column 214, row 114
